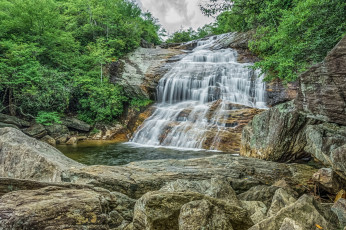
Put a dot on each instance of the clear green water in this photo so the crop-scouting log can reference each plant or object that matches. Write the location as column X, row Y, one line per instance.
column 103, row 153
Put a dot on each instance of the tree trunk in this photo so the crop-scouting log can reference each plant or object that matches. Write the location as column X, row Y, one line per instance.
column 11, row 106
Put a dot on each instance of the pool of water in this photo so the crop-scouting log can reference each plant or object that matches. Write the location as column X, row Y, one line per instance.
column 107, row 153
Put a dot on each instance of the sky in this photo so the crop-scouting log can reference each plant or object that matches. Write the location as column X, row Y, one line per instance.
column 176, row 14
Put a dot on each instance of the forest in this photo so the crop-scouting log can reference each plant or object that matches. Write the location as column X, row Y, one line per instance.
column 53, row 53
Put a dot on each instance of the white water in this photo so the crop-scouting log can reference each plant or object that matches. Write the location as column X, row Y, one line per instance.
column 205, row 80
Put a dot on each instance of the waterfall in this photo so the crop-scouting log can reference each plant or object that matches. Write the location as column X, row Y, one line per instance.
column 196, row 95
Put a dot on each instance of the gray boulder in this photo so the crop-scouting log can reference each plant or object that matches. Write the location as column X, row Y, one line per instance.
column 36, row 131
column 74, row 123
column 280, row 200
column 13, row 120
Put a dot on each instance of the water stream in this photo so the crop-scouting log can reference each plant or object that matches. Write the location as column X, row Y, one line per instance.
column 196, row 96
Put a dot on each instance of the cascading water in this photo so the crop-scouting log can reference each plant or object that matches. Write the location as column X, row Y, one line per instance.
column 196, row 96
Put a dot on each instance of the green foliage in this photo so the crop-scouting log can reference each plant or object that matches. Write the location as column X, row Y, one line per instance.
column 48, row 118
column 189, row 34
column 53, row 54
column 290, row 34
column 138, row 103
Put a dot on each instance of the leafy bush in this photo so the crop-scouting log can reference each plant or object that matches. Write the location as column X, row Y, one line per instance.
column 48, row 118
column 138, row 103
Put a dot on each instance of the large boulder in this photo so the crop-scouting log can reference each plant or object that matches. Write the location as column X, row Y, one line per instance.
column 277, row 134
column 24, row 157
column 36, row 131
column 60, row 208
column 164, row 210
column 13, row 120
column 339, row 208
column 57, row 130
column 327, row 143
column 257, row 210
column 280, row 200
column 76, row 124
column 261, row 193
column 323, row 87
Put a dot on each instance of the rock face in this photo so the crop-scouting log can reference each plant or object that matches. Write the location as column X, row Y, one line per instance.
column 278, row 93
column 140, row 71
column 23, row 157
column 313, row 124
column 277, row 134
column 323, row 87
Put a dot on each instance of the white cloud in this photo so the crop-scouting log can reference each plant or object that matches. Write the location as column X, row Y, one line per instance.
column 176, row 14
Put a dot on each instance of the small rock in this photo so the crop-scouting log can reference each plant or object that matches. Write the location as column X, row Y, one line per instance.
column 49, row 140
column 62, row 139
column 339, row 208
column 202, row 214
column 329, row 180
column 72, row 141
column 259, row 193
column 280, row 200
column 36, row 131
column 257, row 210
column 290, row 224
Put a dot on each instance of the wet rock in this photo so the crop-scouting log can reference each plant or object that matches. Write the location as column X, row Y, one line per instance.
column 110, row 132
column 62, row 139
column 57, row 130
column 257, row 210
column 60, row 208
column 290, row 224
column 303, row 212
column 280, row 200
column 329, row 180
column 339, row 208
column 327, row 143
column 202, row 214
column 13, row 120
column 323, row 87
column 76, row 124
column 24, row 157
column 261, row 193
column 36, row 131
column 49, row 140
column 72, row 141
column 161, row 210
column 278, row 134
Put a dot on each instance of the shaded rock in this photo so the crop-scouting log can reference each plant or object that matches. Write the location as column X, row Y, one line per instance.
column 13, row 120
column 257, row 210
column 62, row 139
column 323, row 87
column 72, row 141
column 49, row 140
column 329, row 180
column 57, row 130
column 280, row 200
column 36, row 131
column 327, row 143
column 303, row 212
column 290, row 224
column 202, row 214
column 278, row 93
column 59, row 208
column 339, row 208
column 161, row 210
column 76, row 124
column 5, row 125
column 145, row 44
column 261, row 193
column 24, row 157
column 277, row 134
column 215, row 187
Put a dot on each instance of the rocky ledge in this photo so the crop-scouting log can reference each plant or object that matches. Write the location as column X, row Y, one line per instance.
column 40, row 188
